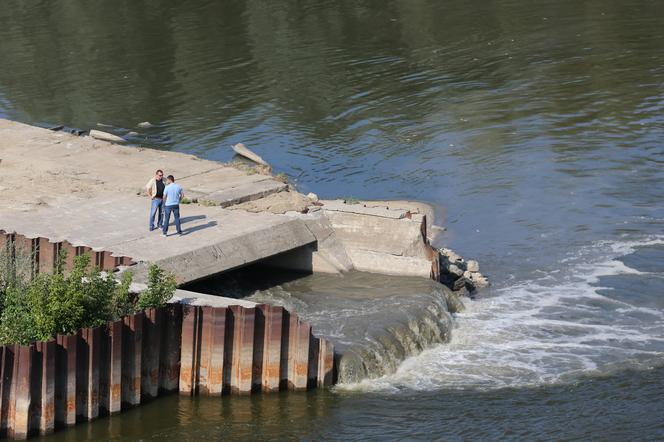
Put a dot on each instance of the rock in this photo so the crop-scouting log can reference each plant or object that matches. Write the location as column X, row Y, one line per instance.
column 242, row 150
column 455, row 270
column 480, row 281
column 476, row 278
column 312, row 196
column 106, row 136
column 132, row 134
column 454, row 304
column 451, row 255
column 472, row 266
column 144, row 124
column 461, row 283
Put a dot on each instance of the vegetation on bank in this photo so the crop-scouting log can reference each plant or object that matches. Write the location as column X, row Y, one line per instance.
column 35, row 308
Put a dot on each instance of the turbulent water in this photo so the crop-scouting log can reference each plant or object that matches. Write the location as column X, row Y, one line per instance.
column 537, row 125
column 376, row 322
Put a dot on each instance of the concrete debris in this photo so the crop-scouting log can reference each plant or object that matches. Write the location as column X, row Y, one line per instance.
column 463, row 277
column 106, row 136
column 244, row 151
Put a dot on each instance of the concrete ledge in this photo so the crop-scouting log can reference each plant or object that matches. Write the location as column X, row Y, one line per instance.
column 194, row 298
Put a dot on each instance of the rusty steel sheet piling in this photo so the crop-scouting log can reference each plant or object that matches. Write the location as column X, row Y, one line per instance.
column 298, row 353
column 45, row 352
column 213, row 334
column 196, row 350
column 6, row 372
column 20, row 395
column 271, row 346
column 65, row 380
column 110, row 374
column 190, row 349
column 87, row 374
column 150, row 353
column 243, row 349
column 325, row 363
column 169, row 359
column 132, row 337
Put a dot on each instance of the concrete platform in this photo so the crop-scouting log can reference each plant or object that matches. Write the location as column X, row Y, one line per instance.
column 90, row 193
column 214, row 240
column 73, row 191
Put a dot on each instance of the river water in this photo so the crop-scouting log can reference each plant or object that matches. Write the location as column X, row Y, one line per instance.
column 538, row 126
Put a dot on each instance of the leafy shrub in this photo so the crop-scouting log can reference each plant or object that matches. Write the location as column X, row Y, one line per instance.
column 161, row 287
column 33, row 309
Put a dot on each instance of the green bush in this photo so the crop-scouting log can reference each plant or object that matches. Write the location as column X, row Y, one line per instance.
column 161, row 287
column 39, row 308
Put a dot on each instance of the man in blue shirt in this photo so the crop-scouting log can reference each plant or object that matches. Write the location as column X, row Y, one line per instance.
column 173, row 194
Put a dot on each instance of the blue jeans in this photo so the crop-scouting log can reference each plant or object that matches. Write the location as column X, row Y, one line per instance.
column 167, row 218
column 155, row 206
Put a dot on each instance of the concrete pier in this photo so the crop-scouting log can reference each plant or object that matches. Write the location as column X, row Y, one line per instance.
column 84, row 194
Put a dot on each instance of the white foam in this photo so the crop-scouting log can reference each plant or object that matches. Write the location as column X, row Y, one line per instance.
column 549, row 329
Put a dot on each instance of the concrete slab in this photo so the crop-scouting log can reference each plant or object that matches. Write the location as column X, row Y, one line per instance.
column 41, row 168
column 195, row 298
column 362, row 209
column 214, row 239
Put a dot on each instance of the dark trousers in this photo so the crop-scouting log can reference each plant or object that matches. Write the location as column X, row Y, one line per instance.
column 167, row 218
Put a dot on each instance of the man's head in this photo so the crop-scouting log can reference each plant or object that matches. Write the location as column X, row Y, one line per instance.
column 170, row 179
column 159, row 174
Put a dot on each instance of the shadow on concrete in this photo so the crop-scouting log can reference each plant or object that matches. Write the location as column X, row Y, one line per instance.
column 200, row 227
column 187, row 219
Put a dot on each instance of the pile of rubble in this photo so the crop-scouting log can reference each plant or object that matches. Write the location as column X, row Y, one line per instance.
column 461, row 276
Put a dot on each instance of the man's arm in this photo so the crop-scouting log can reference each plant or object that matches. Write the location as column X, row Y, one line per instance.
column 149, row 188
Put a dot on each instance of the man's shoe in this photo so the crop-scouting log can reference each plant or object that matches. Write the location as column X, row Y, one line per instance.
column 164, row 235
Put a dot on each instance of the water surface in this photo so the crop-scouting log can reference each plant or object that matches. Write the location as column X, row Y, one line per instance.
column 536, row 125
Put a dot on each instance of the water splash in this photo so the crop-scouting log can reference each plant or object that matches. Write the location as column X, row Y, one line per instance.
column 548, row 329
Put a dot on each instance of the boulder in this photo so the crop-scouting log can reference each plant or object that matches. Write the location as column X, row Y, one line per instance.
column 473, row 266
column 455, row 270
column 463, row 282
column 480, row 281
column 476, row 278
